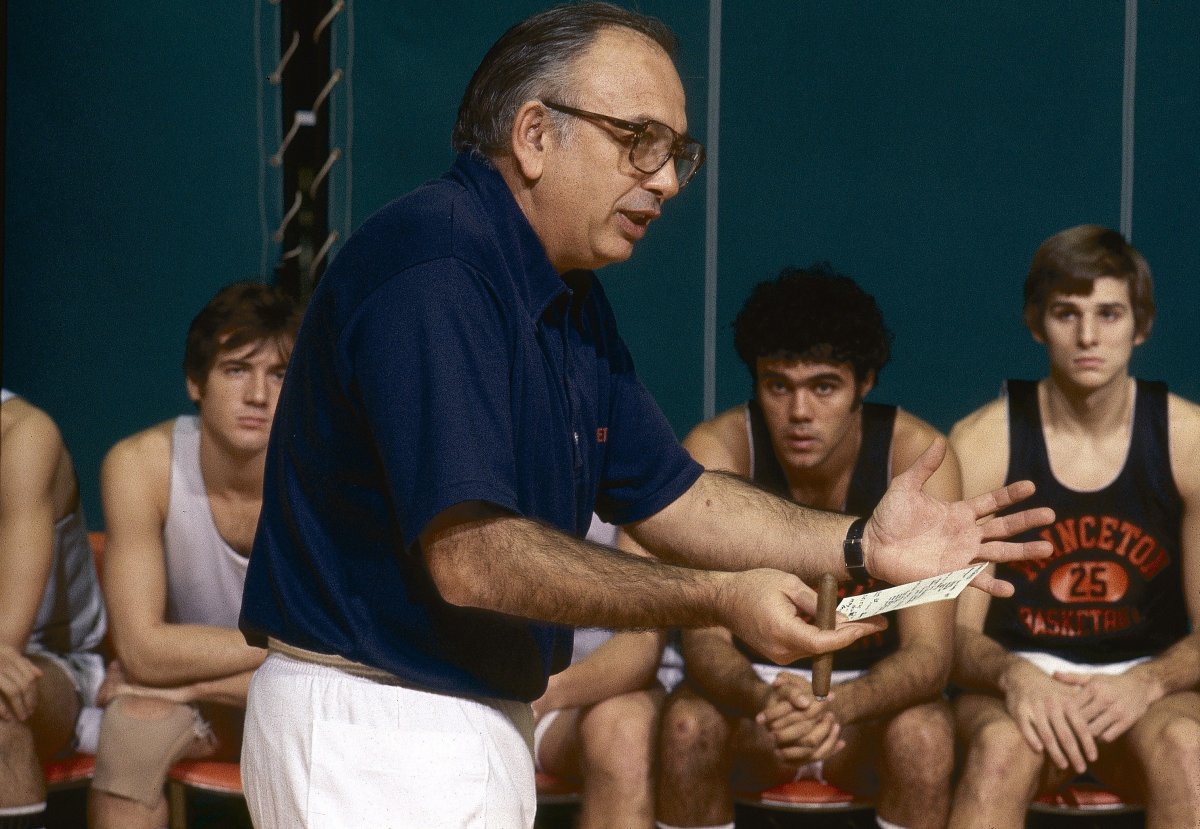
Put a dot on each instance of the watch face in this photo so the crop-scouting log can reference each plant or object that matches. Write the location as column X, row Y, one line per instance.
column 852, row 549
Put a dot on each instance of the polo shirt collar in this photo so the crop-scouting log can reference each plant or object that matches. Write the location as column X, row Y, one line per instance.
column 536, row 280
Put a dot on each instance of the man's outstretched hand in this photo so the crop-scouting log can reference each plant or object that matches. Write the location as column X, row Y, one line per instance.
column 912, row 535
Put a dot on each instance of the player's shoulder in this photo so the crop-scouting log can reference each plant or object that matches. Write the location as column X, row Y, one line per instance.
column 987, row 425
column 142, row 451
column 1183, row 418
column 912, row 431
column 721, row 442
column 23, row 421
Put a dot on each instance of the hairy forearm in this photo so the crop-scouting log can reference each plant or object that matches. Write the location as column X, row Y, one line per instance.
column 913, row 674
column 1175, row 669
column 979, row 662
column 171, row 655
column 725, row 523
column 722, row 673
column 516, row 566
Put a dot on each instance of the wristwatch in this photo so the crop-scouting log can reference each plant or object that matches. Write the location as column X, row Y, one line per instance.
column 852, row 549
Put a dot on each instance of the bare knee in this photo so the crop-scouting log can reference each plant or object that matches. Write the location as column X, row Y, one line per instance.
column 919, row 747
column 693, row 736
column 998, row 754
column 618, row 737
column 1170, row 753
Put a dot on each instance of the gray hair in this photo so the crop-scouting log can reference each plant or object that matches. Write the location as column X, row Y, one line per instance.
column 532, row 61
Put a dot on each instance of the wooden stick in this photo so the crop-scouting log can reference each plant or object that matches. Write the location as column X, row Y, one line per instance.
column 822, row 666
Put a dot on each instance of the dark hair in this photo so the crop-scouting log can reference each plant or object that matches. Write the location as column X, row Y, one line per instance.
column 812, row 313
column 241, row 313
column 531, row 61
column 1072, row 260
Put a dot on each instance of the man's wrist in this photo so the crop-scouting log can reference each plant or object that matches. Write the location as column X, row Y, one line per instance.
column 853, row 550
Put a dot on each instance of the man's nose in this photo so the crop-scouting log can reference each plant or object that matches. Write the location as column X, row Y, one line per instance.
column 1087, row 330
column 256, row 388
column 664, row 182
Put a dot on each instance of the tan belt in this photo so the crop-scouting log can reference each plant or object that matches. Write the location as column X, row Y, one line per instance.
column 332, row 660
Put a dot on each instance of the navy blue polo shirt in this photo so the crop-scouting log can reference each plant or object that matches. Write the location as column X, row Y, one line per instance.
column 442, row 359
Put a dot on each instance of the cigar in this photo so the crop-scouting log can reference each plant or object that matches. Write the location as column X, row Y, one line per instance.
column 822, row 666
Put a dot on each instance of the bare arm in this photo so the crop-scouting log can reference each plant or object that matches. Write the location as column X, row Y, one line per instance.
column 29, row 468
column 481, row 556
column 626, row 662
column 722, row 673
column 134, row 482
column 1178, row 668
column 227, row 690
column 726, row 523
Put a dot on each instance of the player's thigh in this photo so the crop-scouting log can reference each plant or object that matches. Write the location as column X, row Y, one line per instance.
column 916, row 739
column 992, row 745
column 53, row 720
column 558, row 745
column 1152, row 745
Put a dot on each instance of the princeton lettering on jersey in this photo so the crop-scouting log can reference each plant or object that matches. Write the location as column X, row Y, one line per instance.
column 1099, row 532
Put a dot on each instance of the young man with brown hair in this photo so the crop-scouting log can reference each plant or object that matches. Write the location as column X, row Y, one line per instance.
column 181, row 502
column 1094, row 664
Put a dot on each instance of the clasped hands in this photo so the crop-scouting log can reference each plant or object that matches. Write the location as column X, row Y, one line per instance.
column 804, row 729
column 1064, row 715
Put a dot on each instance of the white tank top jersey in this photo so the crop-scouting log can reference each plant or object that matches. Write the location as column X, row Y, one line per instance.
column 205, row 575
column 71, row 616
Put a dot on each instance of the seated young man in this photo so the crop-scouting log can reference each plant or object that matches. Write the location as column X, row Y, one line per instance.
column 598, row 720
column 181, row 502
column 1090, row 666
column 51, row 612
column 814, row 343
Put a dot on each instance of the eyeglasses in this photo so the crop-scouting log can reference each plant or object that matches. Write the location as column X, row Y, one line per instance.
column 653, row 145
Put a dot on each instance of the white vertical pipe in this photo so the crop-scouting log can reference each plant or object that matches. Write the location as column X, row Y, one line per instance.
column 710, row 208
column 1127, row 100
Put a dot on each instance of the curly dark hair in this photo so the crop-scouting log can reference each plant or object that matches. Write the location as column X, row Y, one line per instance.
column 812, row 313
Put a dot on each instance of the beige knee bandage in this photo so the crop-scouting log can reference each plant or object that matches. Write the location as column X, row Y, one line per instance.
column 135, row 753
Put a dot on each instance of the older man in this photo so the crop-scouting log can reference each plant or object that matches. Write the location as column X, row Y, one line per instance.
column 458, row 404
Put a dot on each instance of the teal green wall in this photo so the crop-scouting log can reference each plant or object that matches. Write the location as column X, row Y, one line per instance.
column 920, row 148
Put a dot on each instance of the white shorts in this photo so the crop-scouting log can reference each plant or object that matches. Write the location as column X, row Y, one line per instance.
column 1049, row 663
column 767, row 673
column 324, row 748
column 539, row 732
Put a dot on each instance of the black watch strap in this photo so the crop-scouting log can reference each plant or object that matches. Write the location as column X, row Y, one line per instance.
column 852, row 549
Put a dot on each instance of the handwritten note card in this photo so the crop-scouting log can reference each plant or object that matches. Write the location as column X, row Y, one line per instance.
column 936, row 589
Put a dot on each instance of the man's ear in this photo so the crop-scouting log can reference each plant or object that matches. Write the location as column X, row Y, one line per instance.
column 868, row 383
column 1033, row 323
column 1142, row 336
column 193, row 389
column 531, row 132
